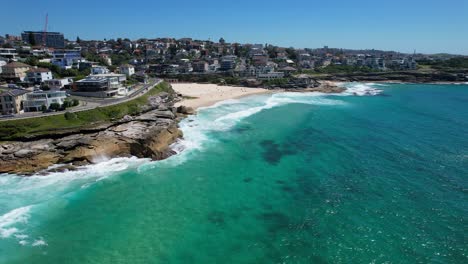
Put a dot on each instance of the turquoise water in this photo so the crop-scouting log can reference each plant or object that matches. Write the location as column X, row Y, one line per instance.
column 284, row 178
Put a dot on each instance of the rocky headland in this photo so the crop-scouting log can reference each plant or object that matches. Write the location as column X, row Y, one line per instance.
column 148, row 135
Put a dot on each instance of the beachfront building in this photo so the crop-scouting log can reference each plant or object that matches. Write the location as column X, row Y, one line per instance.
column 15, row 71
column 127, row 69
column 268, row 73
column 52, row 39
column 228, row 63
column 98, row 86
column 11, row 101
column 38, row 75
column 200, row 66
column 99, row 70
column 36, row 100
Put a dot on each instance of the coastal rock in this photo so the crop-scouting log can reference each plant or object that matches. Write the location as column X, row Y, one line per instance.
column 185, row 110
column 148, row 135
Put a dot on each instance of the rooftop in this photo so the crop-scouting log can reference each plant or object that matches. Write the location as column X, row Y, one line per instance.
column 38, row 70
column 14, row 92
column 16, row 64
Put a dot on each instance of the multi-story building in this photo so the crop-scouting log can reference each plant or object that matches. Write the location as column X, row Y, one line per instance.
column 8, row 53
column 52, row 39
column 259, row 60
column 15, row 71
column 65, row 58
column 228, row 63
column 200, row 66
column 99, row 70
column 36, row 100
column 102, row 87
column 38, row 75
column 57, row 84
column 11, row 101
column 127, row 69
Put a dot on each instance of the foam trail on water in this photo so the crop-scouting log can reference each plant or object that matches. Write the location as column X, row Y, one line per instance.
column 10, row 219
column 34, row 193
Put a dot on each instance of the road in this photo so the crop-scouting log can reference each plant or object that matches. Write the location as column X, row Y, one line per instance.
column 88, row 103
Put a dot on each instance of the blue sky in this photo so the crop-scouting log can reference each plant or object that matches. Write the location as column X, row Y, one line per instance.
column 429, row 26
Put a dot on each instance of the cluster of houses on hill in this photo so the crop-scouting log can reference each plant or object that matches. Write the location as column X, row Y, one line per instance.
column 35, row 89
column 111, row 62
column 28, row 88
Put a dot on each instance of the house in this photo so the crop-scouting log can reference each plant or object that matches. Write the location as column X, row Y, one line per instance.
column 57, row 84
column 8, row 53
column 288, row 70
column 15, row 71
column 36, row 100
column 3, row 62
column 11, row 101
column 200, row 66
column 95, row 86
column 259, row 60
column 65, row 58
column 228, row 63
column 38, row 75
column 141, row 76
column 99, row 70
column 127, row 69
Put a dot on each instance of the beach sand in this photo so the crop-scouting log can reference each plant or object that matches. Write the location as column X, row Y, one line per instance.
column 209, row 94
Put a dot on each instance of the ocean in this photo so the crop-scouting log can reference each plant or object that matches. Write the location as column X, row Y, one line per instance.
column 378, row 174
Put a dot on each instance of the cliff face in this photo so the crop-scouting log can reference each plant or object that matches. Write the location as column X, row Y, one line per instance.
column 146, row 136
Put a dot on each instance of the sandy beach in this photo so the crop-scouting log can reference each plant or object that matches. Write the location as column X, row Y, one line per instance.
column 209, row 94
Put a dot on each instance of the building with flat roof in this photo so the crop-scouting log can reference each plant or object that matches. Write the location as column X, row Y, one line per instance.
column 36, row 100
column 98, row 86
column 8, row 53
column 57, row 84
column 52, row 39
column 99, row 70
column 65, row 58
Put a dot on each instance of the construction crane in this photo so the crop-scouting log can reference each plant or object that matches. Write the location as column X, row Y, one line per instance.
column 44, row 34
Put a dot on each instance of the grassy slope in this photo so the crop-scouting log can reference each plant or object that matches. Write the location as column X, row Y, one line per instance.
column 10, row 130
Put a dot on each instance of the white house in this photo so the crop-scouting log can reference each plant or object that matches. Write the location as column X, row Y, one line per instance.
column 99, row 70
column 35, row 100
column 57, row 84
column 127, row 69
column 38, row 75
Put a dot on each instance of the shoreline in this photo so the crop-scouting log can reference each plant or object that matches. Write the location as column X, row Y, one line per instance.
column 71, row 152
column 204, row 95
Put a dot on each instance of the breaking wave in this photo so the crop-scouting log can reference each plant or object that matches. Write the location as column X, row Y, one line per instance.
column 226, row 114
column 33, row 194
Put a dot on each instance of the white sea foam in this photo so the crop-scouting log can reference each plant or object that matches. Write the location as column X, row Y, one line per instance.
column 11, row 218
column 39, row 242
column 362, row 89
column 40, row 190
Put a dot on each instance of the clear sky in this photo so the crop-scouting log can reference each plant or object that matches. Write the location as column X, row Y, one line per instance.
column 429, row 26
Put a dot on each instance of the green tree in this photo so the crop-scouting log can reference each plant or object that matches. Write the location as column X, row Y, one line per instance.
column 54, row 106
column 78, row 40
